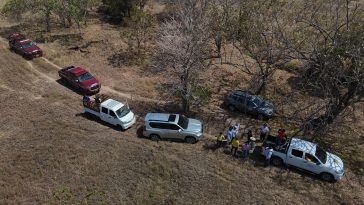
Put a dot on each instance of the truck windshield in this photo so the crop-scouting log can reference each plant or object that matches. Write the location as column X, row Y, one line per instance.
column 84, row 77
column 183, row 121
column 28, row 45
column 123, row 111
column 258, row 101
column 321, row 154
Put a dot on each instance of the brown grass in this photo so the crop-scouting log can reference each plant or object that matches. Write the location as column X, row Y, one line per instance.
column 51, row 154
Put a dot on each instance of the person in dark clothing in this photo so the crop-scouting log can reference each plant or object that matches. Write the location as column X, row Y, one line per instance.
column 249, row 135
column 86, row 99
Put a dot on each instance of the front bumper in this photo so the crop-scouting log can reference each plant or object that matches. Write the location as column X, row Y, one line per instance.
column 129, row 124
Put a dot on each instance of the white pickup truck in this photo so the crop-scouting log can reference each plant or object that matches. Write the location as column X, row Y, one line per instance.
column 110, row 111
column 306, row 156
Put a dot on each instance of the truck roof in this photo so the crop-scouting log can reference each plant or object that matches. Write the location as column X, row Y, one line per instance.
column 163, row 117
column 25, row 41
column 77, row 71
column 112, row 104
column 303, row 145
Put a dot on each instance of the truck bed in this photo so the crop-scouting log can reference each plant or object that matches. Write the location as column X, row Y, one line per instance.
column 92, row 105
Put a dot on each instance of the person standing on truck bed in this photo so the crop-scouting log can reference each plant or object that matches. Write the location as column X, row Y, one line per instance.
column 281, row 137
column 264, row 130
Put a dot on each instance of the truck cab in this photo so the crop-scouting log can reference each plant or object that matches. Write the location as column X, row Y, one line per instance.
column 111, row 111
column 306, row 156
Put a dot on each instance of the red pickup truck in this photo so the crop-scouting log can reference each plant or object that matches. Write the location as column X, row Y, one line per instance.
column 81, row 79
column 25, row 47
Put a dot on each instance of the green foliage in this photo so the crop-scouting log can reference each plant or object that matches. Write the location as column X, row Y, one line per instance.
column 70, row 10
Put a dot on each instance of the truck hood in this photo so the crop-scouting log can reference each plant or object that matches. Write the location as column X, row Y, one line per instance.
column 266, row 107
column 128, row 117
column 32, row 49
column 194, row 126
column 89, row 82
column 334, row 162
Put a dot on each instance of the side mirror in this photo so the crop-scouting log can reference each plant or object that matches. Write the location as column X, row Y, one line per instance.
column 318, row 163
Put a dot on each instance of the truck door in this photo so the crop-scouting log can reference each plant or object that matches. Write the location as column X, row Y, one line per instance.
column 114, row 119
column 295, row 158
column 104, row 115
column 312, row 164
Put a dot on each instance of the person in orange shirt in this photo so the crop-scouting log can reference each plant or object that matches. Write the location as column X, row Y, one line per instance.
column 281, row 137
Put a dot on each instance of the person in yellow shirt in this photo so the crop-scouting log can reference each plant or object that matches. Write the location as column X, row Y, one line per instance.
column 220, row 139
column 234, row 146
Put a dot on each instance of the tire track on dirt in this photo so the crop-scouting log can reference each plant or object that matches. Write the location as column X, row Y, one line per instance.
column 105, row 88
column 111, row 90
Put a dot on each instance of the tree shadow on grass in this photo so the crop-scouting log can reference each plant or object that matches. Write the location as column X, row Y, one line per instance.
column 302, row 85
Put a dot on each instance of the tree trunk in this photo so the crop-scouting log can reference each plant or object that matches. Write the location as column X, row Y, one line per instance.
column 48, row 20
column 262, row 85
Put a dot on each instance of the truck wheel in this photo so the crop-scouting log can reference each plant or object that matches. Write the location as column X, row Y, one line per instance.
column 154, row 137
column 276, row 161
column 327, row 177
column 120, row 128
column 190, row 140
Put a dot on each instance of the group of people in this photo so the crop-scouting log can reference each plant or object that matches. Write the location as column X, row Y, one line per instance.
column 231, row 138
column 248, row 146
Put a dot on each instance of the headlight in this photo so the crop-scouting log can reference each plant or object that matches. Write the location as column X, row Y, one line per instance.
column 339, row 171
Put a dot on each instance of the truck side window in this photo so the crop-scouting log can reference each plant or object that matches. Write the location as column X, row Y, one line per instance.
column 174, row 127
column 104, row 110
column 112, row 114
column 159, row 125
column 311, row 158
column 297, row 153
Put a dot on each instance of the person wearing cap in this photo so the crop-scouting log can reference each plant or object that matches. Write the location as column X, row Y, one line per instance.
column 234, row 146
column 268, row 155
column 252, row 143
column 264, row 130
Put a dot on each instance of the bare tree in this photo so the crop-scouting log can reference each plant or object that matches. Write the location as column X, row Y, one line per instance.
column 183, row 49
column 331, row 43
column 257, row 35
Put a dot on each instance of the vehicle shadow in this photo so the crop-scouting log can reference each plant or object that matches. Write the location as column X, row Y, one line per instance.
column 98, row 120
column 75, row 90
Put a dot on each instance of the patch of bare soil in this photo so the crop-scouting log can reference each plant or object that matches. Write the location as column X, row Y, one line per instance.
column 51, row 153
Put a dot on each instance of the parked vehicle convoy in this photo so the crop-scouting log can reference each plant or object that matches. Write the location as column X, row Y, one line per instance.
column 306, row 156
column 81, row 79
column 25, row 47
column 246, row 102
column 110, row 111
column 172, row 126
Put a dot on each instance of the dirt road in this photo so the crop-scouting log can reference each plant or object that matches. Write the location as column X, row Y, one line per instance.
column 51, row 153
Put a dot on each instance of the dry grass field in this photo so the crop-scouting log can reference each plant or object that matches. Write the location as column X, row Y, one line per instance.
column 51, row 153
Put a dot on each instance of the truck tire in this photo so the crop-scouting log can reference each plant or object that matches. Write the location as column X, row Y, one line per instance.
column 190, row 140
column 327, row 177
column 120, row 128
column 276, row 161
column 154, row 137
